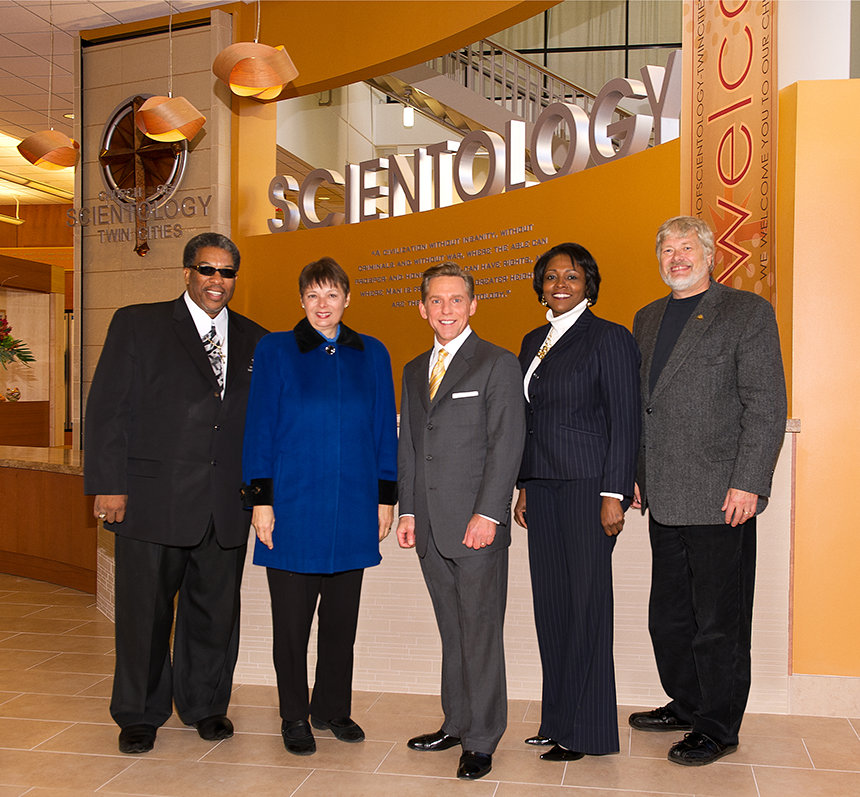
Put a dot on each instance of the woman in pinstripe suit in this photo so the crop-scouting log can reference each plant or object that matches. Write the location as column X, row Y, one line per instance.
column 581, row 383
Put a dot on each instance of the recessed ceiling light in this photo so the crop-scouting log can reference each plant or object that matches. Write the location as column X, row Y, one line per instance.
column 68, row 116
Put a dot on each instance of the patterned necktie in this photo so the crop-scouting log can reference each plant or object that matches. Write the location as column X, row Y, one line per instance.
column 212, row 344
column 437, row 373
column 547, row 344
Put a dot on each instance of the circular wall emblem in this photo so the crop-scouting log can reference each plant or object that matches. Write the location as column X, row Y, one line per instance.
column 136, row 168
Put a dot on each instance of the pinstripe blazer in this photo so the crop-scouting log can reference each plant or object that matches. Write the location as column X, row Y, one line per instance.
column 716, row 417
column 583, row 414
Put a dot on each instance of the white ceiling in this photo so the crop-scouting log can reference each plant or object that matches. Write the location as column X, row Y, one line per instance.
column 25, row 58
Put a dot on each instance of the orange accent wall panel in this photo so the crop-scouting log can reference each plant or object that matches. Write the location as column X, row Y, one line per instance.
column 613, row 211
column 825, row 378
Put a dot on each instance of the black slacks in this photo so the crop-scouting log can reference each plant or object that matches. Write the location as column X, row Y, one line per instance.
column 199, row 680
column 294, row 599
column 570, row 559
column 700, row 618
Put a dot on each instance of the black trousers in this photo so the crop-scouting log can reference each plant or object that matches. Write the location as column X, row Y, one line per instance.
column 700, row 618
column 199, row 679
column 570, row 559
column 294, row 600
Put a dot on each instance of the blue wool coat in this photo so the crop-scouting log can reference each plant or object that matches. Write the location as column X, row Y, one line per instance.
column 321, row 447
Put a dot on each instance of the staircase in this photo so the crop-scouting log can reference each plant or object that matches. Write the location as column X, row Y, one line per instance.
column 482, row 86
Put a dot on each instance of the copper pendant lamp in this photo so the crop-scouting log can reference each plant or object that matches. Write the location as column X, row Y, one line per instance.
column 169, row 118
column 50, row 149
column 252, row 69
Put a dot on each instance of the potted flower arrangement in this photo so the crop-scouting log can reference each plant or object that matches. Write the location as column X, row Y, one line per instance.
column 12, row 350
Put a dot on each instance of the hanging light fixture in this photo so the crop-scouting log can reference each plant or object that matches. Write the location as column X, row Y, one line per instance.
column 50, row 149
column 252, row 69
column 169, row 118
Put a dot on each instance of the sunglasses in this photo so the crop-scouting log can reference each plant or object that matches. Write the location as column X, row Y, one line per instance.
column 209, row 271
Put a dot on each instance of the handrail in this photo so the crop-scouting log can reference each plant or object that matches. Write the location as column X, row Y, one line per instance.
column 506, row 78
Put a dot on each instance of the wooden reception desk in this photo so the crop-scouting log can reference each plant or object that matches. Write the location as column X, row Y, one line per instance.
column 48, row 530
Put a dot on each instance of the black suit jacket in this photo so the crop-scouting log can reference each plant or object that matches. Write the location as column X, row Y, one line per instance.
column 583, row 416
column 158, row 431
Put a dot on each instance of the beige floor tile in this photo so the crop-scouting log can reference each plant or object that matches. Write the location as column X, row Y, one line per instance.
column 99, row 628
column 247, row 748
column 61, row 708
column 13, row 610
column 531, row 790
column 37, row 625
column 834, row 729
column 255, row 719
column 37, row 682
column 621, row 772
column 518, row 710
column 414, row 705
column 398, row 728
column 526, row 767
column 59, row 643
column 19, row 734
column 170, row 743
column 403, row 761
column 77, row 599
column 827, row 755
column 254, row 695
column 22, row 659
column 16, row 791
column 532, row 713
column 362, row 701
column 514, row 735
column 326, row 784
column 57, row 770
column 21, row 584
column 102, row 688
column 76, row 662
column 5, row 697
column 188, row 779
column 776, row 782
column 82, row 613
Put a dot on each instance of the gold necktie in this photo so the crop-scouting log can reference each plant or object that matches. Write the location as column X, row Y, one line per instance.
column 547, row 344
column 437, row 373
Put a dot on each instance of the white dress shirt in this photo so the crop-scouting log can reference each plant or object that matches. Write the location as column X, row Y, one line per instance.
column 203, row 322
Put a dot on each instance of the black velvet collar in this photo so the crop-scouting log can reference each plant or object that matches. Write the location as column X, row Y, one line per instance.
column 308, row 338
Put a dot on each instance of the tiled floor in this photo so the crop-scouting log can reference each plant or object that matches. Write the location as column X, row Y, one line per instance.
column 57, row 738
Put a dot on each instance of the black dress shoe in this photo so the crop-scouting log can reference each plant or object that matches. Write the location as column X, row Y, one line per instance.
column 134, row 739
column 433, row 741
column 559, row 753
column 343, row 728
column 696, row 750
column 539, row 741
column 214, row 728
column 474, row 765
column 658, row 719
column 298, row 738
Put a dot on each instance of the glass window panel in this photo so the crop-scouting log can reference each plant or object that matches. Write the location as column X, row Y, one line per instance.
column 586, row 22
column 655, row 21
column 589, row 71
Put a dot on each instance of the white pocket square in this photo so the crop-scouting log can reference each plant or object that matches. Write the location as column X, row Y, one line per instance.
column 465, row 394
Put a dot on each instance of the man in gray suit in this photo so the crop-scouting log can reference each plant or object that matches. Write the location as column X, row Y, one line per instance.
column 462, row 428
column 714, row 408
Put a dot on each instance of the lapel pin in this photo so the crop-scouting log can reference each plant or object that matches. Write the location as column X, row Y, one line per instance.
column 700, row 316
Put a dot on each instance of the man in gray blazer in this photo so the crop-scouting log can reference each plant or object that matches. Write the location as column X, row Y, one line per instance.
column 462, row 428
column 714, row 409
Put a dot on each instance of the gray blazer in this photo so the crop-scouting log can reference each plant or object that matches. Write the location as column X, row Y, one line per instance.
column 716, row 417
column 459, row 454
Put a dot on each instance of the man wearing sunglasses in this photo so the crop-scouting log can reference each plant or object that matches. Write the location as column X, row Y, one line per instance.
column 163, row 442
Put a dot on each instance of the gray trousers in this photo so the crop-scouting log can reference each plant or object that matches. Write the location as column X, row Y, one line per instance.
column 469, row 596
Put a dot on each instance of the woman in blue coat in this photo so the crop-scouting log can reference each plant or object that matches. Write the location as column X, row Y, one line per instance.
column 320, row 466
